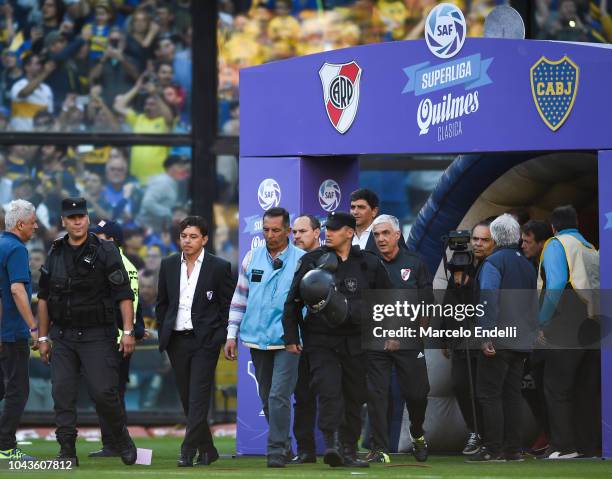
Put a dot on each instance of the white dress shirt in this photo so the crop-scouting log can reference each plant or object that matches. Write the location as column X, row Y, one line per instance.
column 187, row 292
column 362, row 240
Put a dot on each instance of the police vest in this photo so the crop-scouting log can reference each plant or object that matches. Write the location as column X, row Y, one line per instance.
column 262, row 323
column 68, row 278
column 583, row 270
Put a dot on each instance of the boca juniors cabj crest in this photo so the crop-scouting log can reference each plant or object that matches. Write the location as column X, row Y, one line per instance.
column 554, row 85
column 341, row 93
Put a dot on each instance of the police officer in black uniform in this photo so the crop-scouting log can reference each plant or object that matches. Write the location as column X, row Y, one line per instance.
column 81, row 284
column 337, row 361
column 407, row 270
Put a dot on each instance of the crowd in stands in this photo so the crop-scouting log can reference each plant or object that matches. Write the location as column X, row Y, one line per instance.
column 117, row 185
column 95, row 65
column 574, row 20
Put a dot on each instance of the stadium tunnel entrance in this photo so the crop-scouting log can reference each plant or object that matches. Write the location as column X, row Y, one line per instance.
column 473, row 188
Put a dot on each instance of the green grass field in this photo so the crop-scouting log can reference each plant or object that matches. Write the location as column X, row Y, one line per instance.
column 165, row 453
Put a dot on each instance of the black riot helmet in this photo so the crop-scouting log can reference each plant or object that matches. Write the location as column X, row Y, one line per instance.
column 318, row 290
column 315, row 287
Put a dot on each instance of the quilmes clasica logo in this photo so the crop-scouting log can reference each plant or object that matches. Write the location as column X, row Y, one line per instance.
column 445, row 30
column 448, row 91
column 329, row 195
column 268, row 194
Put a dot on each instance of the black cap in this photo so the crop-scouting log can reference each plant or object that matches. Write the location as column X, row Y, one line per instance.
column 111, row 229
column 74, row 206
column 338, row 219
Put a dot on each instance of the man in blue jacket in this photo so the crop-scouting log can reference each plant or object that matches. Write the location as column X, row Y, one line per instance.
column 17, row 323
column 256, row 315
column 568, row 277
column 506, row 282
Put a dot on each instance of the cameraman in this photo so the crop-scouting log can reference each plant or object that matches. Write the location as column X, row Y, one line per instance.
column 463, row 359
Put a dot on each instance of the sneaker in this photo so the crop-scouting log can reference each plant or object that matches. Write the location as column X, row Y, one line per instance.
column 376, row 455
column 540, row 445
column 485, row 456
column 15, row 454
column 553, row 453
column 473, row 444
column 419, row 449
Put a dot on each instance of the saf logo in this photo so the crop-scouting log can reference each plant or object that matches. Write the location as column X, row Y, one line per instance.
column 268, row 194
column 329, row 195
column 341, row 93
column 445, row 30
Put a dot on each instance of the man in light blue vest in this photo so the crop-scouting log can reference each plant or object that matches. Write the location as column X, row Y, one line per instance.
column 256, row 314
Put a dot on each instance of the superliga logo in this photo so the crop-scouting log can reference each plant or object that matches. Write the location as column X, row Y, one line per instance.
column 268, row 194
column 445, row 30
column 329, row 195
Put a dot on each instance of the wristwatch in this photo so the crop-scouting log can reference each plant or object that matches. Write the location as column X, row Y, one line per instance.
column 129, row 333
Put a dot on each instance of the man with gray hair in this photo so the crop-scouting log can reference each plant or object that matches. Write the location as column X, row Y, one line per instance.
column 18, row 324
column 501, row 363
column 407, row 270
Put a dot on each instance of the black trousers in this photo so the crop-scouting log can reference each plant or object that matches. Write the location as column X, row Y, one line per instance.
column 194, row 367
column 108, row 441
column 412, row 377
column 499, row 392
column 94, row 353
column 339, row 382
column 14, row 359
column 573, row 397
column 304, row 408
column 465, row 391
column 534, row 393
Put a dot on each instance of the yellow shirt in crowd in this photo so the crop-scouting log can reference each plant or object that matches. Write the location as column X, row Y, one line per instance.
column 147, row 161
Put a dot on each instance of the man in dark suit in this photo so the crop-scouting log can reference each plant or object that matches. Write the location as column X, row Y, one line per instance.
column 365, row 207
column 194, row 293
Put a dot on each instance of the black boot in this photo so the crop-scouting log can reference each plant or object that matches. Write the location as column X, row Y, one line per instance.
column 127, row 448
column 332, row 454
column 350, row 457
column 67, row 451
